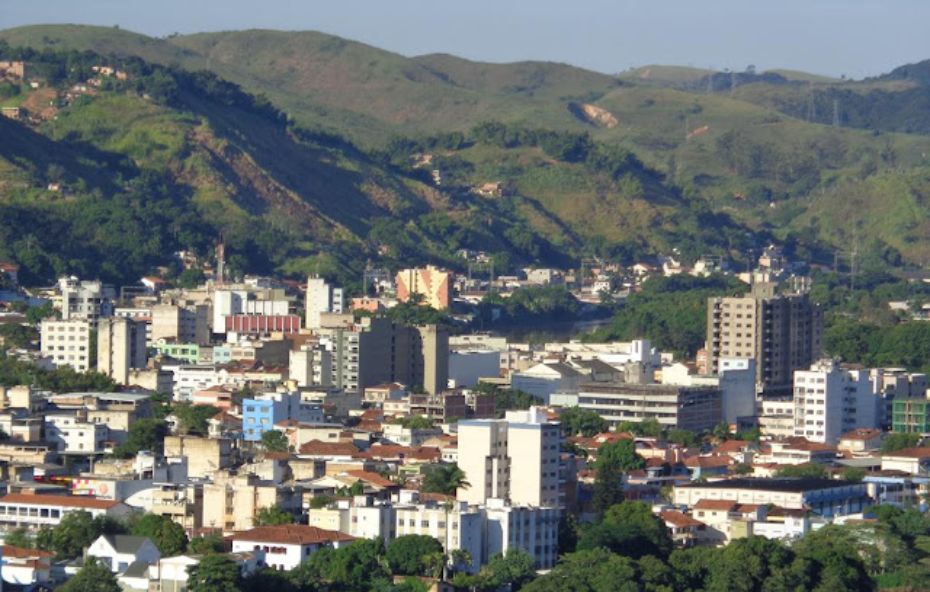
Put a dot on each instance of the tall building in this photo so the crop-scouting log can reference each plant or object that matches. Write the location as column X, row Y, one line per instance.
column 830, row 401
column 181, row 324
column 514, row 459
column 434, row 285
column 321, row 298
column 66, row 343
column 120, row 348
column 311, row 365
column 911, row 416
column 88, row 300
column 431, row 359
column 229, row 303
column 782, row 332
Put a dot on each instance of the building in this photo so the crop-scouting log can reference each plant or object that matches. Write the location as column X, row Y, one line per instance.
column 288, row 545
column 736, row 381
column 261, row 413
column 119, row 551
column 911, row 416
column 231, row 502
column 26, row 568
column 227, row 303
column 514, row 459
column 825, row 497
column 431, row 359
column 86, row 300
column 530, row 529
column 693, row 408
column 120, row 348
column 782, row 332
column 433, row 285
column 181, row 324
column 311, row 365
column 322, row 297
column 542, row 380
column 830, row 401
column 35, row 511
column 467, row 367
column 66, row 343
column 73, row 434
column 204, row 456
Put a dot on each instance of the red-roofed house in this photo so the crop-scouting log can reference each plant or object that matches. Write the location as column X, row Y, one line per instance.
column 861, row 441
column 329, row 451
column 684, row 529
column 289, row 545
column 26, row 567
column 914, row 461
column 708, row 466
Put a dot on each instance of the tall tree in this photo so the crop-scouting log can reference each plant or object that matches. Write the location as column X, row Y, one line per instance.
column 405, row 553
column 93, row 577
column 214, row 573
column 273, row 516
column 168, row 535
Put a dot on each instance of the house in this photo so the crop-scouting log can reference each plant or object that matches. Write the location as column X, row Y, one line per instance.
column 708, row 466
column 861, row 441
column 684, row 529
column 26, row 567
column 171, row 573
column 826, row 497
column 119, row 551
column 287, row 546
column 913, row 461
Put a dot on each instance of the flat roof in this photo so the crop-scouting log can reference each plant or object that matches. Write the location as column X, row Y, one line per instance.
column 786, row 485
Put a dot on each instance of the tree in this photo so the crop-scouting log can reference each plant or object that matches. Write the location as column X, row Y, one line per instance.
column 357, row 566
column 853, row 474
column 613, row 459
column 273, row 516
column 192, row 419
column 578, row 421
column 19, row 538
column 167, row 534
column 76, row 531
column 630, row 529
column 214, row 573
column 210, row 543
column 516, row 568
column 415, row 422
column 445, row 479
column 405, row 553
column 275, row 441
column 594, row 570
column 93, row 577
column 147, row 433
column 803, row 471
column 568, row 533
column 899, row 441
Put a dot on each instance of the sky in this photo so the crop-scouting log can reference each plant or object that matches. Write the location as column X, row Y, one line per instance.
column 856, row 38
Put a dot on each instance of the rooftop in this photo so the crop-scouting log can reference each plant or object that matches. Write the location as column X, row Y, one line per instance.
column 71, row 501
column 784, row 485
column 292, row 534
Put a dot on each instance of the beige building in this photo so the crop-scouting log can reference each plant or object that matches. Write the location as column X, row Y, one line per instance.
column 20, row 397
column 181, row 324
column 782, row 332
column 183, row 504
column 204, row 455
column 67, row 343
column 231, row 502
column 120, row 348
column 434, row 285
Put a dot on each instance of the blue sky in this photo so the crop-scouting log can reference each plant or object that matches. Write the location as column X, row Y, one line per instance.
column 853, row 37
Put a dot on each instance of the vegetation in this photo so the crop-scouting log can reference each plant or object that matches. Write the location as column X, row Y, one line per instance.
column 273, row 516
column 445, row 479
column 415, row 422
column 899, row 441
column 214, row 573
column 192, row 419
column 76, row 531
column 804, row 471
column 167, row 535
column 203, row 545
column 613, row 459
column 275, row 441
column 582, row 422
column 59, row 380
column 146, row 433
column 406, row 554
column 93, row 577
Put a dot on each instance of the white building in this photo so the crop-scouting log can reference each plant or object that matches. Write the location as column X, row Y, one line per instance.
column 466, row 367
column 249, row 302
column 542, row 380
column 120, row 551
column 287, row 546
column 311, row 366
column 322, row 298
column 736, row 380
column 66, row 343
column 74, row 435
column 531, row 529
column 830, row 401
column 35, row 511
column 514, row 459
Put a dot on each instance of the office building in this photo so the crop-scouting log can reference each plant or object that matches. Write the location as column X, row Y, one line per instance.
column 120, row 348
column 322, row 297
column 66, row 343
column 830, row 401
column 782, row 332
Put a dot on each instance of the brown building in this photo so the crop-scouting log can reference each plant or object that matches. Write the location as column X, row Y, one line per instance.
column 781, row 332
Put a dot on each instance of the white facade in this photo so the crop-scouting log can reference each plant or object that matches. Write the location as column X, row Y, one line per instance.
column 830, row 401
column 66, row 343
column 119, row 551
column 72, row 435
column 534, row 530
column 736, row 380
column 233, row 302
column 467, row 367
column 87, row 300
column 189, row 378
column 542, row 380
column 322, row 298
column 311, row 366
column 120, row 348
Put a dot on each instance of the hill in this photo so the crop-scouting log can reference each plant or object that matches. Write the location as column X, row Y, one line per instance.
column 756, row 151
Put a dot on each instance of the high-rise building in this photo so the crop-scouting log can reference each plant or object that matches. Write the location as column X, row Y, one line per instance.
column 432, row 284
column 322, row 297
column 66, row 343
column 181, row 324
column 830, row 401
column 514, row 459
column 120, row 348
column 88, row 300
column 911, row 416
column 782, row 332
column 311, row 365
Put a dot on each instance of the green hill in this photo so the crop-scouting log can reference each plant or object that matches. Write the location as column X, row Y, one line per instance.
column 720, row 153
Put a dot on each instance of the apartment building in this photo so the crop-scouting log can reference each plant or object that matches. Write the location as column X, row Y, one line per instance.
column 120, row 348
column 431, row 284
column 66, row 343
column 830, row 401
column 311, row 365
column 35, row 511
column 531, row 529
column 85, row 300
column 514, row 459
column 322, row 297
column 782, row 332
column 261, row 413
column 911, row 416
column 231, row 502
column 247, row 301
column 692, row 408
column 204, row 456
column 73, row 434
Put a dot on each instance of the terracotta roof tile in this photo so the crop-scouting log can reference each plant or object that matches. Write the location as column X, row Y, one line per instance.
column 320, row 448
column 71, row 501
column 679, row 520
column 292, row 534
column 720, row 505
